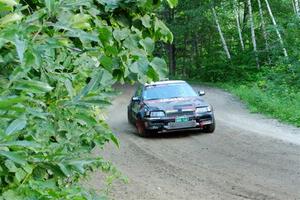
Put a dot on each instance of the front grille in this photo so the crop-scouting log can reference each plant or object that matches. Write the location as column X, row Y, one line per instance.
column 180, row 114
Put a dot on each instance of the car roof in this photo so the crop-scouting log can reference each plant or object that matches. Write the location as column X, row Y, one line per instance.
column 164, row 82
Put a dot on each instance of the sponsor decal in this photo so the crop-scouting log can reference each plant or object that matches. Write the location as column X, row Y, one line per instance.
column 166, row 100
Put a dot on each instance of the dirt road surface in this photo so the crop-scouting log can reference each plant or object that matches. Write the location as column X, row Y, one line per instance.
column 248, row 157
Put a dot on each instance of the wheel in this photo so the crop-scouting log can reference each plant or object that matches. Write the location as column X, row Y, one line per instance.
column 129, row 117
column 209, row 128
column 141, row 129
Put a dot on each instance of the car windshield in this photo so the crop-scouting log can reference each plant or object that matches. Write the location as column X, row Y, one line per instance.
column 168, row 91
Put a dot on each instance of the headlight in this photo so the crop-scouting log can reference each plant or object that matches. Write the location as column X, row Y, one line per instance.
column 203, row 109
column 157, row 114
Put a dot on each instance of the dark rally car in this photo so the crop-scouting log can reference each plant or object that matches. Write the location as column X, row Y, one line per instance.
column 168, row 106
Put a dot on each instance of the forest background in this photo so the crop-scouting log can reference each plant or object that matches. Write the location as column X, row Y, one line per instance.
column 249, row 47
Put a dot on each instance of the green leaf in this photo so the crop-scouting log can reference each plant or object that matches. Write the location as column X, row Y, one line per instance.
column 115, row 140
column 80, row 164
column 19, row 73
column 77, row 33
column 106, row 79
column 95, row 101
column 152, row 74
column 28, row 168
column 172, row 3
column 20, row 174
column 37, row 15
column 21, row 143
column 10, row 3
column 89, row 87
column 21, row 47
column 81, row 21
column 32, row 86
column 7, row 102
column 139, row 53
column 12, row 194
column 16, row 125
column 147, row 44
column 14, row 156
column 64, row 169
column 106, row 62
column 131, row 42
column 69, row 88
column 146, row 21
column 44, row 185
column 121, row 34
column 10, row 18
column 160, row 67
column 140, row 66
column 163, row 31
column 111, row 50
column 105, row 35
column 10, row 166
column 89, row 120
column 37, row 112
column 109, row 4
column 50, row 5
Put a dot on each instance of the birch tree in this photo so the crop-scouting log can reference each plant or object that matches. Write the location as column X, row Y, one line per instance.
column 221, row 34
column 237, row 16
column 297, row 9
column 263, row 26
column 276, row 28
column 253, row 33
column 294, row 8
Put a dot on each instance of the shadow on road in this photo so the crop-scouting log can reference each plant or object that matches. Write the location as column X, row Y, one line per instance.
column 172, row 135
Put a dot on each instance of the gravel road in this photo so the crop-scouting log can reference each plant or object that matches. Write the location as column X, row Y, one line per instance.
column 248, row 157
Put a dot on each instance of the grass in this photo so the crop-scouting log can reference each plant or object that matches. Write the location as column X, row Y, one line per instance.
column 274, row 101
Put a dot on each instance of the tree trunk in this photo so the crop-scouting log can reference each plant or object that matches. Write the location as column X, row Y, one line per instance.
column 237, row 16
column 221, row 34
column 263, row 26
column 185, row 57
column 172, row 59
column 196, row 50
column 253, row 33
column 277, row 31
column 294, row 8
column 245, row 15
column 171, row 48
column 297, row 8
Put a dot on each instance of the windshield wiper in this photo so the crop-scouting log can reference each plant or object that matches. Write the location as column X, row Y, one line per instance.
column 153, row 99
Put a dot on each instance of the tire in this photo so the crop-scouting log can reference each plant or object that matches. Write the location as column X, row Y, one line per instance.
column 209, row 128
column 129, row 117
column 141, row 129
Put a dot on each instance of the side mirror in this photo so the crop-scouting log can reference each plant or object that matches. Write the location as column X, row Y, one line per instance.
column 201, row 93
column 136, row 99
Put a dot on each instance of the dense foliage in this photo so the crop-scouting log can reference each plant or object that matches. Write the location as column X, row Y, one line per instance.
column 271, row 69
column 59, row 59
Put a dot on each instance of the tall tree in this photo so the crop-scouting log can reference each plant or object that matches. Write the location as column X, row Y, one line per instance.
column 297, row 8
column 263, row 26
column 220, row 38
column 276, row 28
column 294, row 8
column 171, row 48
column 253, row 33
column 237, row 17
column 221, row 34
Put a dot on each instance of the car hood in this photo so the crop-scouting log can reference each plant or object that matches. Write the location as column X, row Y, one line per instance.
column 175, row 103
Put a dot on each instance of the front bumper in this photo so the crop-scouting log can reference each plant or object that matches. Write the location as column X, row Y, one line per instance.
column 168, row 124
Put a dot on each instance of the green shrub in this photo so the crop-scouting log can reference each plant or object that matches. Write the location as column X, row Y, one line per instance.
column 272, row 100
column 58, row 61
